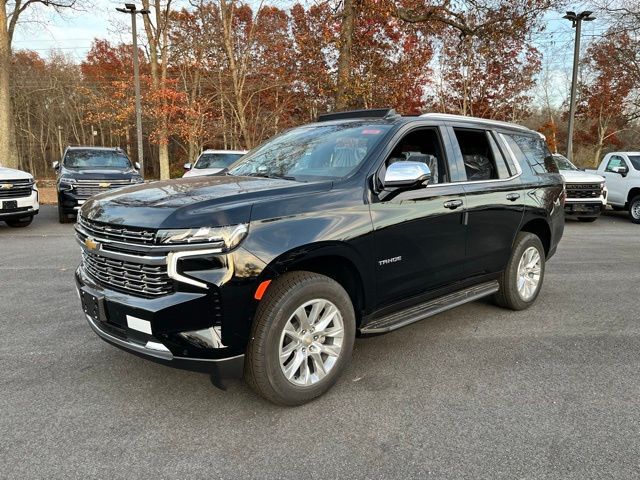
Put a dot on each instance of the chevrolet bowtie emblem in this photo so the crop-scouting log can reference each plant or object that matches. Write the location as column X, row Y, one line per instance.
column 6, row 186
column 91, row 244
column 104, row 185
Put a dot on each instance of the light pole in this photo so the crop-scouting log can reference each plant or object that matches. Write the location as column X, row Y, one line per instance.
column 576, row 22
column 130, row 8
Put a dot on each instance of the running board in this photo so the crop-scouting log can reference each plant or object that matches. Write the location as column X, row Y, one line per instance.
column 421, row 311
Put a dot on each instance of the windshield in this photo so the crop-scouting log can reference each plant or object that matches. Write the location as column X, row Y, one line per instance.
column 318, row 152
column 564, row 163
column 635, row 160
column 217, row 160
column 109, row 159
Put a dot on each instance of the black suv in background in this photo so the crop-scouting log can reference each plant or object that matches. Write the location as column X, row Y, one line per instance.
column 86, row 171
column 359, row 224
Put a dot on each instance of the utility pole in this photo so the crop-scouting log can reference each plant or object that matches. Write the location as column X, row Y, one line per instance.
column 576, row 22
column 130, row 8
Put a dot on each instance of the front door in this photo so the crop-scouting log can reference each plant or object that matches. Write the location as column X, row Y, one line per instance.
column 615, row 181
column 419, row 235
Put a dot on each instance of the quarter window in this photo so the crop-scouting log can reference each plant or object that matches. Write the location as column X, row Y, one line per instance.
column 533, row 150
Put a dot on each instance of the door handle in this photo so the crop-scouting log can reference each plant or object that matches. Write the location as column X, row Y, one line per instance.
column 452, row 204
column 513, row 196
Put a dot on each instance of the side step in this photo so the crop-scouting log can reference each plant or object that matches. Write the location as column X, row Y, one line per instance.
column 421, row 311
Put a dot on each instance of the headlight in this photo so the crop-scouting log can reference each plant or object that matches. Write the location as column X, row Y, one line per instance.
column 226, row 238
column 66, row 184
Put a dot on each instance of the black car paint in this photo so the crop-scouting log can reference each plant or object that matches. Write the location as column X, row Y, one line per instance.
column 349, row 221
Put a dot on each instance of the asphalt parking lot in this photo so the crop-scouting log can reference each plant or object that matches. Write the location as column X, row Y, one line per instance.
column 477, row 392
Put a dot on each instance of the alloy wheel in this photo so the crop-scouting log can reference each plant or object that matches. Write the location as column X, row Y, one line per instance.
column 529, row 273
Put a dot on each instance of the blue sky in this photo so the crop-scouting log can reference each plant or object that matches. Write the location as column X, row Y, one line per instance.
column 73, row 31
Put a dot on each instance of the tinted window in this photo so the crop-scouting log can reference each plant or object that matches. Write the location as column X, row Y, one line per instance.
column 217, row 160
column 422, row 145
column 534, row 149
column 108, row 159
column 615, row 161
column 635, row 160
column 313, row 152
column 477, row 154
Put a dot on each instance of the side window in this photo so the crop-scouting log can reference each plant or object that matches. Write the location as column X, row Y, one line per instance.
column 422, row 145
column 533, row 150
column 615, row 161
column 478, row 155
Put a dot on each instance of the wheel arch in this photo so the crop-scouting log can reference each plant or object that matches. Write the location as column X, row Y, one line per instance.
column 635, row 191
column 541, row 229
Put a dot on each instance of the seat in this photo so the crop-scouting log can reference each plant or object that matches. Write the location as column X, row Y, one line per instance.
column 478, row 167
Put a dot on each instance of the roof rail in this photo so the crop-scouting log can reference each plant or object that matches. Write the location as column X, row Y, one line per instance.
column 369, row 113
column 488, row 121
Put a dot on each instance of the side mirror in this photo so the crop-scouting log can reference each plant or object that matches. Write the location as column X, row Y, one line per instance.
column 188, row 166
column 406, row 175
column 137, row 165
column 56, row 166
column 622, row 170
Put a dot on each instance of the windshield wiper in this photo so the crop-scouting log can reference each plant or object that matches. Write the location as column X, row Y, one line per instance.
column 269, row 175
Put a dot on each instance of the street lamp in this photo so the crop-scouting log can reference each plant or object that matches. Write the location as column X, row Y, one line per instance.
column 576, row 22
column 130, row 8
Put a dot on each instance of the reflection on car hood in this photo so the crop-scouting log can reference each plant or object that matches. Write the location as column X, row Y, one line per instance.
column 577, row 176
column 191, row 202
column 198, row 172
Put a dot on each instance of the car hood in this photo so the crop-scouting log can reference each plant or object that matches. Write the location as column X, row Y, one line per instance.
column 98, row 174
column 12, row 174
column 192, row 202
column 577, row 176
column 198, row 172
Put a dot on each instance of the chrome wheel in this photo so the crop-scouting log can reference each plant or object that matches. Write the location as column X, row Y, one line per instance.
column 311, row 342
column 529, row 270
column 635, row 210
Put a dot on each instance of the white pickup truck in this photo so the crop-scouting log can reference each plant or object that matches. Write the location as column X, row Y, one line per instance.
column 586, row 192
column 18, row 197
column 622, row 173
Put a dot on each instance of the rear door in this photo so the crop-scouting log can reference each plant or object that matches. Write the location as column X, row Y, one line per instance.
column 419, row 235
column 494, row 196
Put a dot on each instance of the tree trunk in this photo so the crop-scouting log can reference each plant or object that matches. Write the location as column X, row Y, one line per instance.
column 344, row 56
column 8, row 152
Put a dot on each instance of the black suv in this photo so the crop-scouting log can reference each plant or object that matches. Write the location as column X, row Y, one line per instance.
column 87, row 171
column 358, row 224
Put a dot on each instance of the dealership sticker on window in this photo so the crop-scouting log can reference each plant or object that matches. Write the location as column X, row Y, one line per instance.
column 371, row 132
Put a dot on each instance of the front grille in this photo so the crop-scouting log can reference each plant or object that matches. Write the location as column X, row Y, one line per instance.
column 118, row 233
column 15, row 188
column 584, row 190
column 137, row 279
column 89, row 188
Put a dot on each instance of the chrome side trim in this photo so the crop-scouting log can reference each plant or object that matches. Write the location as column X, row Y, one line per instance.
column 172, row 265
column 152, row 349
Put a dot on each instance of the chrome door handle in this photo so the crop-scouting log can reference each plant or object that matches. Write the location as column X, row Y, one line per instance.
column 452, row 204
column 513, row 196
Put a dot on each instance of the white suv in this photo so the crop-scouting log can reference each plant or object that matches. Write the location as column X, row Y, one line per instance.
column 18, row 197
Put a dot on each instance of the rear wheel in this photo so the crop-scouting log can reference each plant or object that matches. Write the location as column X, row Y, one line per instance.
column 587, row 219
column 634, row 209
column 20, row 222
column 302, row 338
column 521, row 281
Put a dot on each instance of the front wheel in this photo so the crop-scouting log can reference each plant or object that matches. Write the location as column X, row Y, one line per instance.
column 63, row 217
column 521, row 281
column 20, row 222
column 301, row 340
column 634, row 209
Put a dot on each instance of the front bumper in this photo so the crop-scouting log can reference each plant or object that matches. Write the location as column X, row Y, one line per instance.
column 69, row 202
column 25, row 206
column 110, row 313
column 580, row 208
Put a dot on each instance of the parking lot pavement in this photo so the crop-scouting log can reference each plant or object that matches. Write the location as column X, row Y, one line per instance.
column 477, row 392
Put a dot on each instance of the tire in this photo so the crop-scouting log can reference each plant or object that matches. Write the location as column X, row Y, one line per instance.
column 20, row 222
column 263, row 369
column 508, row 295
column 634, row 209
column 63, row 217
column 587, row 219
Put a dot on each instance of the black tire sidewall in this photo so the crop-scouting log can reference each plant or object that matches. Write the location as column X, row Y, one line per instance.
column 524, row 240
column 278, row 312
column 633, row 201
column 20, row 222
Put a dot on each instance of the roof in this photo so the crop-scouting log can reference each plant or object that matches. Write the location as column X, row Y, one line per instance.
column 80, row 147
